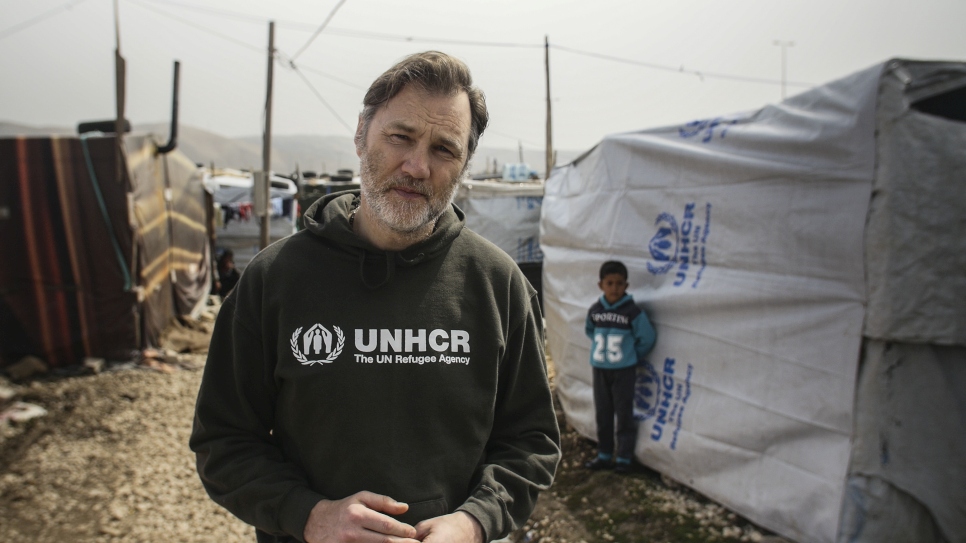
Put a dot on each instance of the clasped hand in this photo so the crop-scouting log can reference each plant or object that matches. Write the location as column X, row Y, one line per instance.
column 364, row 518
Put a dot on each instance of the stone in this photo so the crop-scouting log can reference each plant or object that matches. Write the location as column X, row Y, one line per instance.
column 95, row 365
column 26, row 367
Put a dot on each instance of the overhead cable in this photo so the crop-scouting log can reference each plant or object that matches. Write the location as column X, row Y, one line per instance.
column 198, row 26
column 10, row 31
column 515, row 138
column 680, row 69
column 213, row 11
column 416, row 39
column 423, row 39
column 319, row 31
column 346, row 32
column 332, row 77
column 321, row 99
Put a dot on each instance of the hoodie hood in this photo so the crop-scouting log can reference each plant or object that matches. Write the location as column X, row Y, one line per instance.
column 328, row 218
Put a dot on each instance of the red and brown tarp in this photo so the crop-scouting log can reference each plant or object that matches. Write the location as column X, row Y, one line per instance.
column 92, row 263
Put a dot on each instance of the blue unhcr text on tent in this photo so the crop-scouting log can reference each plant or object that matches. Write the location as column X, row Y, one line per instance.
column 662, row 398
column 681, row 247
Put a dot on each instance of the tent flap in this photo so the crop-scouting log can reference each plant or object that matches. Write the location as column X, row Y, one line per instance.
column 907, row 473
column 916, row 237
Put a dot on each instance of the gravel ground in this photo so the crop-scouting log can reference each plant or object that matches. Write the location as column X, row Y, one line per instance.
column 109, row 462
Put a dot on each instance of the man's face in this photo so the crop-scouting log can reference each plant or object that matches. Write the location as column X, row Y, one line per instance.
column 413, row 157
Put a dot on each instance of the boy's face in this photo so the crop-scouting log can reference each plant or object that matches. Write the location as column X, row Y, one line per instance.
column 614, row 287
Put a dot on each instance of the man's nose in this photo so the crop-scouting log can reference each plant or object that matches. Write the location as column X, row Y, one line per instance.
column 416, row 164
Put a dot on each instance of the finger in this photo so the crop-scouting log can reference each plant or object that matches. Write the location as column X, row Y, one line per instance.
column 385, row 525
column 381, row 503
column 423, row 529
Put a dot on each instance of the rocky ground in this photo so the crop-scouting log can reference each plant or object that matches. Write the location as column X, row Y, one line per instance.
column 109, row 462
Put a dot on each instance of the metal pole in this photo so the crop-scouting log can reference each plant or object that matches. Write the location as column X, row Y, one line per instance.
column 549, row 138
column 267, row 140
column 784, row 45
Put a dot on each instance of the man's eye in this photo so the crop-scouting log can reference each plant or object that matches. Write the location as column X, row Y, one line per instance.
column 444, row 149
column 398, row 137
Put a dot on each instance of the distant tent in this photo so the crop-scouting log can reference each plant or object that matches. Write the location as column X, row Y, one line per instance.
column 507, row 214
column 96, row 265
column 805, row 266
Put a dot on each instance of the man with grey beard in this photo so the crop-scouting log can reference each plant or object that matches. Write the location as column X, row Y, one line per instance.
column 426, row 414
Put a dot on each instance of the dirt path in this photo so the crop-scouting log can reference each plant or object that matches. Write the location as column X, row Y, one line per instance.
column 110, row 463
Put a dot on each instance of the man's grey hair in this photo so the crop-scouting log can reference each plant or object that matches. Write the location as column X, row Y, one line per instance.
column 435, row 73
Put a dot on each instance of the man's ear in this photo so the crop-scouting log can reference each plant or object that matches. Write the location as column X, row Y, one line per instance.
column 358, row 138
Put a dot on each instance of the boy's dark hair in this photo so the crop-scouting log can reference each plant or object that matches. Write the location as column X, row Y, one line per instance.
column 613, row 266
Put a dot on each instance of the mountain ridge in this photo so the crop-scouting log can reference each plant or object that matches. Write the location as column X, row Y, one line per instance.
column 307, row 152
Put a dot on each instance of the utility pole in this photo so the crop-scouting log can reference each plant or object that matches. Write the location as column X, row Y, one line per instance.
column 119, row 94
column 549, row 138
column 267, row 142
column 784, row 45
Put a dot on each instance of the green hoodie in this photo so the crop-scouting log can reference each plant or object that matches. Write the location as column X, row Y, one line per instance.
column 335, row 367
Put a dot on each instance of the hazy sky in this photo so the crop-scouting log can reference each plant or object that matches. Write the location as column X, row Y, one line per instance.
column 57, row 64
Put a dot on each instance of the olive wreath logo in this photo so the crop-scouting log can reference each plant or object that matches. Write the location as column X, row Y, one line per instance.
column 329, row 359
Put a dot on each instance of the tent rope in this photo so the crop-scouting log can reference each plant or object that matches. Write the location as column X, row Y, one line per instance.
column 107, row 219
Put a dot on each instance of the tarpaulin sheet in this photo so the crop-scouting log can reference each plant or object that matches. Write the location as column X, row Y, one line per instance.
column 171, row 222
column 907, row 481
column 67, row 248
column 916, row 237
column 96, row 264
column 743, row 235
column 507, row 214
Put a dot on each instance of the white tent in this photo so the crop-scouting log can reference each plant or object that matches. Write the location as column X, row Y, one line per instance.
column 508, row 214
column 805, row 268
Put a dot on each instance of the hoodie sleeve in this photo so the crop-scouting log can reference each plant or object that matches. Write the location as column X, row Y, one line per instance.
column 240, row 464
column 644, row 335
column 524, row 447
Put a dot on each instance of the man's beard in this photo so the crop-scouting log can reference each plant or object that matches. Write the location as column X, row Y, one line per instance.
column 403, row 216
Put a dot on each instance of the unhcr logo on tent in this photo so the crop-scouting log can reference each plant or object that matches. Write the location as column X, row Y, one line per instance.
column 681, row 246
column 706, row 128
column 646, row 389
column 664, row 244
column 661, row 397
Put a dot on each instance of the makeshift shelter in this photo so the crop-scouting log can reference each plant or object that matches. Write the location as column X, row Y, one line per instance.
column 805, row 267
column 238, row 225
column 96, row 263
column 507, row 214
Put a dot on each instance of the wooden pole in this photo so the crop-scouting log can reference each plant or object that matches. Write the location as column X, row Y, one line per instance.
column 549, row 132
column 267, row 140
column 120, row 78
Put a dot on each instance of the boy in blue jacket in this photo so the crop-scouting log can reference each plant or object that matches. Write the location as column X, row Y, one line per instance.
column 621, row 336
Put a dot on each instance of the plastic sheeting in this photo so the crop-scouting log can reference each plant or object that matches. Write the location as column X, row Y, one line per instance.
column 744, row 239
column 907, row 480
column 916, row 248
column 507, row 214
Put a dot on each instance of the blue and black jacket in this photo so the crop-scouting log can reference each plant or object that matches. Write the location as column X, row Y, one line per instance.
column 621, row 333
